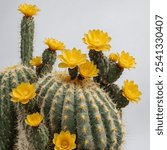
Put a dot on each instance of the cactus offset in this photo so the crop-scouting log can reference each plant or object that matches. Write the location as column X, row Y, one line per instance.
column 27, row 37
column 109, row 71
column 9, row 79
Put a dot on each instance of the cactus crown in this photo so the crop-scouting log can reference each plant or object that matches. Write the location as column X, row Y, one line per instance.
column 81, row 109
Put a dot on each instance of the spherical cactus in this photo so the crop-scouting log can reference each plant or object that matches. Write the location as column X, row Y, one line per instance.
column 10, row 78
column 82, row 108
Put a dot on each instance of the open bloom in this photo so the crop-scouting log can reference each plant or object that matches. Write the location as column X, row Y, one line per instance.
column 88, row 70
column 114, row 57
column 34, row 119
column 54, row 44
column 130, row 91
column 71, row 58
column 36, row 61
column 126, row 61
column 97, row 40
column 64, row 141
column 23, row 93
column 28, row 10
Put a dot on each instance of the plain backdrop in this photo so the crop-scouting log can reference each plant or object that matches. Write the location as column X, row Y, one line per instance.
column 126, row 21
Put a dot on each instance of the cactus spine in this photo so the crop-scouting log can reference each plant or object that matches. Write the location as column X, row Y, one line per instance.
column 82, row 108
column 9, row 79
column 27, row 37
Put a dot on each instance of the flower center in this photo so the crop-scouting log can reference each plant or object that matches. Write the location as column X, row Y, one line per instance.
column 97, row 42
column 64, row 144
column 25, row 92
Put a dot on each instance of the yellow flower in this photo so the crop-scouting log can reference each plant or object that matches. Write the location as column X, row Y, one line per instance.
column 36, row 61
column 64, row 141
column 97, row 40
column 131, row 91
column 23, row 93
column 88, row 70
column 28, row 10
column 34, row 119
column 126, row 61
column 114, row 57
column 54, row 44
column 71, row 58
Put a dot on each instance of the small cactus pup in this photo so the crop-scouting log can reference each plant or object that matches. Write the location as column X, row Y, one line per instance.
column 48, row 57
column 32, row 134
column 9, row 79
column 77, row 112
column 27, row 32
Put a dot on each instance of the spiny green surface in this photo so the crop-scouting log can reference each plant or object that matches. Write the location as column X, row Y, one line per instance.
column 48, row 60
column 8, row 120
column 83, row 109
column 27, row 37
column 109, row 71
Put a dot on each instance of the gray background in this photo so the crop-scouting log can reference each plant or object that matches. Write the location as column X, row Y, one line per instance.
column 126, row 21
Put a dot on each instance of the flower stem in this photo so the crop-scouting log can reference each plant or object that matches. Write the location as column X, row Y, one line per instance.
column 73, row 72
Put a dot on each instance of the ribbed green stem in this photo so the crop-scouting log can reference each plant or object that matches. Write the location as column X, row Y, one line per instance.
column 27, row 36
column 82, row 108
column 8, row 119
column 48, row 60
column 109, row 71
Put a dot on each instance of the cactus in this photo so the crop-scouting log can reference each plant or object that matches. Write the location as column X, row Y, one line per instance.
column 82, row 108
column 61, row 111
column 48, row 60
column 9, row 79
column 27, row 36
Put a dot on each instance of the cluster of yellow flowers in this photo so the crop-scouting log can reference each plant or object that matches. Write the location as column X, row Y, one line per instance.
column 72, row 58
column 99, row 41
column 96, row 40
column 125, row 60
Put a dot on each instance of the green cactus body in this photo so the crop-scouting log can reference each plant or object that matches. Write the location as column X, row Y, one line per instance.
column 48, row 60
column 82, row 108
column 27, row 36
column 109, row 71
column 9, row 79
